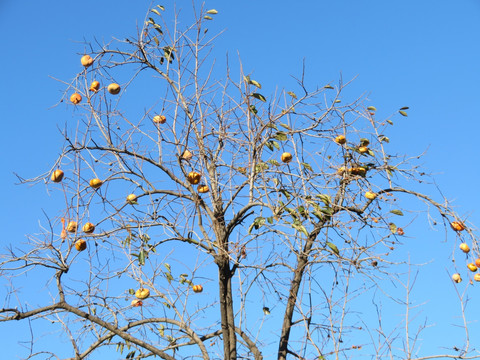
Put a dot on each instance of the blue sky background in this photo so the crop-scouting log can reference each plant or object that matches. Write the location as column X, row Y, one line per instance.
column 421, row 54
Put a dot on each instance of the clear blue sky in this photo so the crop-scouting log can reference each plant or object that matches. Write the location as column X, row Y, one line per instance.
column 421, row 54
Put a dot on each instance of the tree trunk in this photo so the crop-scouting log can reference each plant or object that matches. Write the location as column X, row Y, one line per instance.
column 302, row 261
column 225, row 274
column 226, row 309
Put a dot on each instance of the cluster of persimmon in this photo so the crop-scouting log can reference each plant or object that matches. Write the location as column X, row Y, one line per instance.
column 113, row 88
column 358, row 170
column 140, row 294
column 197, row 288
column 143, row 293
column 473, row 266
column 72, row 226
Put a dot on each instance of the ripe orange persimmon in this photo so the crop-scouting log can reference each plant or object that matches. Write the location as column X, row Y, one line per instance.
column 194, row 177
column 57, row 176
column 472, row 267
column 136, row 302
column 72, row 226
column 160, row 119
column 76, row 98
column 370, row 195
column 142, row 293
column 132, row 199
column 202, row 189
column 286, row 157
column 457, row 278
column 477, row 262
column 96, row 183
column 80, row 245
column 187, row 155
column 457, row 225
column 341, row 139
column 94, row 86
column 88, row 228
column 86, row 60
column 362, row 149
column 361, row 171
column 197, row 288
column 113, row 88
column 464, row 247
column 476, row 277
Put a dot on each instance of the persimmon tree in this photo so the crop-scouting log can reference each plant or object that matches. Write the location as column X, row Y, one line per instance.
column 220, row 221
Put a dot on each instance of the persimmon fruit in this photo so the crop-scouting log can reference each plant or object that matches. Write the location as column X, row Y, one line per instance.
column 88, row 228
column 76, row 98
column 80, row 245
column 57, row 176
column 194, row 177
column 113, row 88
column 86, row 60
column 286, row 157
column 142, row 293
column 95, row 183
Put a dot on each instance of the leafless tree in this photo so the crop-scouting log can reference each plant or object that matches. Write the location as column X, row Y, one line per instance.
column 285, row 204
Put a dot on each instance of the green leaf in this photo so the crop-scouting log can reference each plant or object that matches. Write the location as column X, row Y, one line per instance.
column 259, row 97
column 307, row 166
column 167, row 266
column 270, row 219
column 292, row 94
column 364, row 142
column 273, row 162
column 155, row 11
column 257, row 223
column 253, row 109
column 338, row 101
column 276, row 144
column 328, row 87
column 161, row 329
column 327, row 211
column 325, row 199
column 161, row 7
column 292, row 213
column 141, row 257
column 390, row 122
column 392, row 227
column 156, row 41
column 383, row 138
column 372, row 108
column 404, row 108
column 286, row 194
column 212, row 12
column 302, row 211
column 299, row 227
column 285, row 126
column 266, row 310
column 280, row 136
column 256, row 83
column 402, row 112
column 131, row 291
column 397, row 212
column 333, row 247
column 206, row 17
column 261, row 167
column 169, row 277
